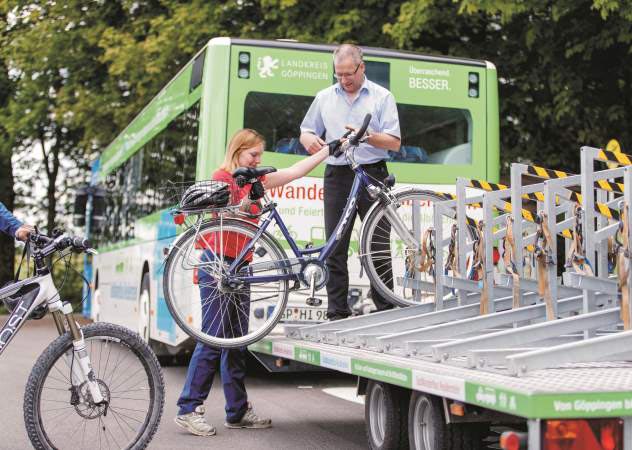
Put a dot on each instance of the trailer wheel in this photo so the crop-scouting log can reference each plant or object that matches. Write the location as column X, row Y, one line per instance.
column 427, row 429
column 385, row 415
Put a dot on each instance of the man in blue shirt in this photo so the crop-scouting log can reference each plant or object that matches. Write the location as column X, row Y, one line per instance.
column 345, row 104
column 12, row 226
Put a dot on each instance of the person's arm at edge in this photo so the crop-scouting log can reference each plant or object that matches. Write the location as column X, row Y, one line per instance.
column 298, row 170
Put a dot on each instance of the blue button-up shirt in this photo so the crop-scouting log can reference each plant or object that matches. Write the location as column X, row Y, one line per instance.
column 8, row 223
column 331, row 110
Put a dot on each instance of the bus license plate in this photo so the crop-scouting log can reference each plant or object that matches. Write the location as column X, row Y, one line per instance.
column 304, row 314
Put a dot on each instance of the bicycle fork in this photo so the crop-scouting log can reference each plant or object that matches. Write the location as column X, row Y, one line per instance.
column 78, row 358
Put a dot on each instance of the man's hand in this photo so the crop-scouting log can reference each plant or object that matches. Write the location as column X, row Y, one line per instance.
column 22, row 234
column 315, row 145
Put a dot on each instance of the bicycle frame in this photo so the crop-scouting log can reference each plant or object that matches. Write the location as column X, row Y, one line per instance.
column 47, row 293
column 361, row 180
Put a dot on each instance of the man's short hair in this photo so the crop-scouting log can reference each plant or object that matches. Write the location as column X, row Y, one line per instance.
column 346, row 51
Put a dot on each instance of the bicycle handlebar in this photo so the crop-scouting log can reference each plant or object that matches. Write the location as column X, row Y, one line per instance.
column 354, row 140
column 49, row 245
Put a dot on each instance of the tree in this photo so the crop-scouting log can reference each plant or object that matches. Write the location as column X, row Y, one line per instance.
column 563, row 80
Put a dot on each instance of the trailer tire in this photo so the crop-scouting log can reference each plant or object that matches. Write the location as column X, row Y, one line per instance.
column 428, row 430
column 385, row 416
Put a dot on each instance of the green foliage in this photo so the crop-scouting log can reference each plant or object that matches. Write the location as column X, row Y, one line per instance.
column 76, row 72
column 564, row 81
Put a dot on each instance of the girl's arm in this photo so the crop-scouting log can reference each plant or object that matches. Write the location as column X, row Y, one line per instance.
column 298, row 170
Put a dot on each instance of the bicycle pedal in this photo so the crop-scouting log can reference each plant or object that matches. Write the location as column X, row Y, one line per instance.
column 313, row 301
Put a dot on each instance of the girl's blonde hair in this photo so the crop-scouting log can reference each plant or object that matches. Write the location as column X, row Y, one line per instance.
column 242, row 140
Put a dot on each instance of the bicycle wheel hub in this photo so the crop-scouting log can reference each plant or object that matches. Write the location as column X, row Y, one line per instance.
column 88, row 409
column 317, row 271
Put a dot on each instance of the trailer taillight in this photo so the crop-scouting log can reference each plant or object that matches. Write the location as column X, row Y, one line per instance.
column 577, row 434
column 195, row 276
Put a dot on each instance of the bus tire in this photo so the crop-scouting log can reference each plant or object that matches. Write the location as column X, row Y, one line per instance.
column 385, row 411
column 428, row 430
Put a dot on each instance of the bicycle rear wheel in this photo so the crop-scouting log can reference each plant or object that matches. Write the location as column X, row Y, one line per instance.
column 213, row 307
column 60, row 415
column 385, row 255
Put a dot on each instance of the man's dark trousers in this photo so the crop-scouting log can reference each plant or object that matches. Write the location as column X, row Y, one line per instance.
column 337, row 184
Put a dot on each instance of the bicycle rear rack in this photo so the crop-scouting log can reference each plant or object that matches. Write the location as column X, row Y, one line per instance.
column 544, row 321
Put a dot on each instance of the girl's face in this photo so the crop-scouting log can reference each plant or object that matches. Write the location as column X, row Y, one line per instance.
column 251, row 157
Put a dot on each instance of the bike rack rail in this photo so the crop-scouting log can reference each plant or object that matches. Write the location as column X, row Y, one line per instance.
column 513, row 319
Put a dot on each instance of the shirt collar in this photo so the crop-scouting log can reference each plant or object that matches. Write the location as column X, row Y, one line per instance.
column 363, row 88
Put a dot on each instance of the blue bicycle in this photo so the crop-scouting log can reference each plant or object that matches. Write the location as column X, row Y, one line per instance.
column 227, row 277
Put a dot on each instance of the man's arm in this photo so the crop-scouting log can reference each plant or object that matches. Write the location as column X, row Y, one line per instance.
column 312, row 127
column 385, row 141
column 9, row 224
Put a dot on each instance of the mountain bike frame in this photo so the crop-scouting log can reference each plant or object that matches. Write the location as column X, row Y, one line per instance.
column 44, row 292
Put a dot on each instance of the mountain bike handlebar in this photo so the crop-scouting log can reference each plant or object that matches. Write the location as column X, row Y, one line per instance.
column 48, row 245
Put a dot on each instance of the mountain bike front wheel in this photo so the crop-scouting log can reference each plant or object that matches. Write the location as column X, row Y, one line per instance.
column 392, row 264
column 60, row 414
column 214, row 306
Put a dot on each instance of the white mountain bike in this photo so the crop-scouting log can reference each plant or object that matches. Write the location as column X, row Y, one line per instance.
column 98, row 386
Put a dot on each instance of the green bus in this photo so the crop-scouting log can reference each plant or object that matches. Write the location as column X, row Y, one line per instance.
column 448, row 110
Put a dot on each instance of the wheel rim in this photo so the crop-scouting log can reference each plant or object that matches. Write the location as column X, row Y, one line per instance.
column 422, row 424
column 229, row 315
column 123, row 378
column 377, row 412
column 401, row 282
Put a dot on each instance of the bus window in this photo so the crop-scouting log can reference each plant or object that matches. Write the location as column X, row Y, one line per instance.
column 133, row 188
column 278, row 118
column 430, row 134
column 434, row 135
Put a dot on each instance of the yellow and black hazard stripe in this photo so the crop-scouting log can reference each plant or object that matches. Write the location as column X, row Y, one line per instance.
column 619, row 158
column 543, row 172
column 486, row 185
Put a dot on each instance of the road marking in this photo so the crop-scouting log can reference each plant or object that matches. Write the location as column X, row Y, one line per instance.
column 345, row 393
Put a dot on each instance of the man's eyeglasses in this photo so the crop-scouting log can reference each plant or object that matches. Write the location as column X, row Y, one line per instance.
column 347, row 75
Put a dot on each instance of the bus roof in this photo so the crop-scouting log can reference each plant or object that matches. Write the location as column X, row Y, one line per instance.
column 369, row 51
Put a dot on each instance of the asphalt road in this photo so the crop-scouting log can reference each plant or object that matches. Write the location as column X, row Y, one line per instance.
column 309, row 411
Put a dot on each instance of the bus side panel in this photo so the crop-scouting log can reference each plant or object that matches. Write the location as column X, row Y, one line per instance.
column 213, row 109
column 493, row 126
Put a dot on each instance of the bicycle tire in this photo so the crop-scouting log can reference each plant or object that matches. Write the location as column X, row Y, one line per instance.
column 47, row 432
column 396, row 294
column 184, row 311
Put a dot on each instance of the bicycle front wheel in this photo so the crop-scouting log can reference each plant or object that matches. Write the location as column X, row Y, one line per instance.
column 60, row 414
column 214, row 306
column 391, row 265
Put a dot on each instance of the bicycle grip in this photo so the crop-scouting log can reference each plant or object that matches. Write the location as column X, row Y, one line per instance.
column 355, row 140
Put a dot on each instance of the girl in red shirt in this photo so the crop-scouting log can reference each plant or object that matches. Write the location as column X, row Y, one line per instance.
column 244, row 150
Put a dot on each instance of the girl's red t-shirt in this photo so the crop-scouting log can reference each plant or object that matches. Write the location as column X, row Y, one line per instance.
column 231, row 243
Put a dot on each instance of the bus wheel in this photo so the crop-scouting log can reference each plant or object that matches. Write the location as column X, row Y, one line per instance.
column 143, row 308
column 385, row 410
column 427, row 429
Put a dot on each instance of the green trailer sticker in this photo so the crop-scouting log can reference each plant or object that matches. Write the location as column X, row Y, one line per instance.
column 261, row 347
column 495, row 398
column 439, row 385
column 607, row 404
column 307, row 356
column 382, row 372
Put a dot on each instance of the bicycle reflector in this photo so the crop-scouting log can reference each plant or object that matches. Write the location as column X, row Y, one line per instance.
column 577, row 434
column 178, row 219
